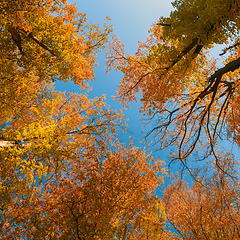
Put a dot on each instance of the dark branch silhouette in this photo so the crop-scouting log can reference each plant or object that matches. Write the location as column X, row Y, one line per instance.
column 15, row 33
column 229, row 48
column 36, row 40
column 16, row 37
column 195, row 113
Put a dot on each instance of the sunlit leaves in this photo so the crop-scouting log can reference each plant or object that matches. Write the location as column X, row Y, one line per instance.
column 63, row 173
column 184, row 91
column 210, row 207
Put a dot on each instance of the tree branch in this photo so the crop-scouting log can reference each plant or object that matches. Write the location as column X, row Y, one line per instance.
column 163, row 24
column 30, row 35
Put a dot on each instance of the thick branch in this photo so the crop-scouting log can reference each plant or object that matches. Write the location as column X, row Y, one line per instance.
column 125, row 233
column 164, row 24
column 215, row 79
column 30, row 35
column 16, row 37
column 226, row 49
column 185, row 51
column 230, row 67
column 12, row 144
column 161, row 23
column 89, row 129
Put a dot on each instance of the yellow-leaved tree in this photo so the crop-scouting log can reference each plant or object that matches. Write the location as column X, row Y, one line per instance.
column 63, row 173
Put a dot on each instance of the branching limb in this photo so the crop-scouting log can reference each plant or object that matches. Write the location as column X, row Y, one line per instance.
column 16, row 38
column 161, row 23
column 229, row 48
column 35, row 39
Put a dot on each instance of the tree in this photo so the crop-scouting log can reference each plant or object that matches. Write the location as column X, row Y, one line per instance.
column 44, row 41
column 188, row 95
column 41, row 42
column 209, row 209
column 63, row 172
column 99, row 193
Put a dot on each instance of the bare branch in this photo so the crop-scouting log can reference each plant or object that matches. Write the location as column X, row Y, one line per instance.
column 229, row 48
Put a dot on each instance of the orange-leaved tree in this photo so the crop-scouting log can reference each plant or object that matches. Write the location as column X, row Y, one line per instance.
column 99, row 193
column 63, row 174
column 187, row 94
column 41, row 42
column 209, row 207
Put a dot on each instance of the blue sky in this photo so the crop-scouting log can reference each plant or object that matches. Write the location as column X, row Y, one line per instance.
column 131, row 20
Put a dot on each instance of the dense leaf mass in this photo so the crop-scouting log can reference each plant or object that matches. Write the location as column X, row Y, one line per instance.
column 63, row 172
column 209, row 209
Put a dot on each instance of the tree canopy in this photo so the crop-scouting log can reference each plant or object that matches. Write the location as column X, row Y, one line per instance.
column 64, row 174
column 209, row 209
column 193, row 101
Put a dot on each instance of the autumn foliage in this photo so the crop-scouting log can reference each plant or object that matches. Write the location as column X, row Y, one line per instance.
column 63, row 172
column 184, row 91
column 209, row 209
column 194, row 105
